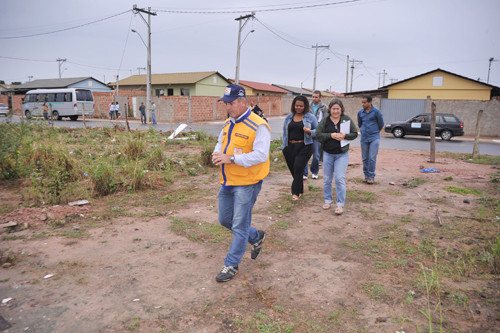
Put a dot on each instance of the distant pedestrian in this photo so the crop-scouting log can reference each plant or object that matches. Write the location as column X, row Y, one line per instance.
column 117, row 108
column 370, row 122
column 153, row 112
column 112, row 110
column 320, row 110
column 45, row 111
column 142, row 108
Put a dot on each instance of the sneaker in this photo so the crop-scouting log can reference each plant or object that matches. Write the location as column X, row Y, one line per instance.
column 304, row 177
column 370, row 181
column 315, row 176
column 226, row 273
column 257, row 247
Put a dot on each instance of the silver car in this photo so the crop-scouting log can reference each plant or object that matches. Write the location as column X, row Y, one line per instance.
column 4, row 109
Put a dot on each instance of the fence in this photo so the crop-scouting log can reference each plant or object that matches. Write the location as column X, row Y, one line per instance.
column 204, row 108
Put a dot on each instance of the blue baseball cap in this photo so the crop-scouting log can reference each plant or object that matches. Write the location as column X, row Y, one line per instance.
column 233, row 91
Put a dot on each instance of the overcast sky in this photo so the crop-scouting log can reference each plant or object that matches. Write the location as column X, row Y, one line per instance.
column 403, row 37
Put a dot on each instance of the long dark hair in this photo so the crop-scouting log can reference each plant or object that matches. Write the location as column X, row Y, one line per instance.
column 303, row 99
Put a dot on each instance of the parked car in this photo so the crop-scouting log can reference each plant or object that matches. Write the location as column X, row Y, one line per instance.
column 447, row 126
column 4, row 109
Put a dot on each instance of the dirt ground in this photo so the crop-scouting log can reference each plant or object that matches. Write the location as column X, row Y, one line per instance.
column 134, row 273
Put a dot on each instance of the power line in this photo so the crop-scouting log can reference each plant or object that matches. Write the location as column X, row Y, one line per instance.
column 66, row 29
column 24, row 59
column 181, row 11
column 283, row 38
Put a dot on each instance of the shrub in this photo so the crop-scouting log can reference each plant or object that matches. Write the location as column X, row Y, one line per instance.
column 52, row 172
column 133, row 148
column 103, row 179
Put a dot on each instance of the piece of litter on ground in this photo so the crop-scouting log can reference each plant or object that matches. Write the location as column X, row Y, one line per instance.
column 79, row 203
column 136, row 300
column 6, row 300
column 179, row 129
column 48, row 276
column 430, row 170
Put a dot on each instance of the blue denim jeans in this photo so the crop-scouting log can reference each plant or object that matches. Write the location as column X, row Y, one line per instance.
column 235, row 213
column 369, row 151
column 153, row 115
column 335, row 164
column 315, row 160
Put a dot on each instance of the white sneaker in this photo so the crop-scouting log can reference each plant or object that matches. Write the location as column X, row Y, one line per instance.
column 304, row 177
column 314, row 176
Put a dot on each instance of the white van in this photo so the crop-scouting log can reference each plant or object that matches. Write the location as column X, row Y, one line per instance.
column 69, row 102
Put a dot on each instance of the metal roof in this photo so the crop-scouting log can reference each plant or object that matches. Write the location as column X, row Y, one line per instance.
column 52, row 83
column 167, row 78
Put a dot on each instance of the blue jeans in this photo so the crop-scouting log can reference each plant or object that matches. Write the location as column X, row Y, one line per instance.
column 154, row 117
column 369, row 151
column 315, row 160
column 335, row 163
column 235, row 213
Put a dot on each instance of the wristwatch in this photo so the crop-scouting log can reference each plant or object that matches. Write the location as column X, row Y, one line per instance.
column 232, row 158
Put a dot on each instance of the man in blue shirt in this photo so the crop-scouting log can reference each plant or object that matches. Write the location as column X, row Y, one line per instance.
column 370, row 123
column 319, row 109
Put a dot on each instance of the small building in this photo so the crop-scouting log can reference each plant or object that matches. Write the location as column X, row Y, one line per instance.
column 295, row 91
column 72, row 82
column 177, row 84
column 443, row 85
column 260, row 89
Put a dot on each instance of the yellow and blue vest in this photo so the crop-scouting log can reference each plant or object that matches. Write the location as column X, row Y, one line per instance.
column 238, row 139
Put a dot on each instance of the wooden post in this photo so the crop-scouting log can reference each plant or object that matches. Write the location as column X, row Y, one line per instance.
column 51, row 118
column 172, row 120
column 83, row 115
column 433, row 133
column 126, row 116
column 475, row 151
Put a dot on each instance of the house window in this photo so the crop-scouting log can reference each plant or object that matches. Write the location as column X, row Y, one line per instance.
column 184, row 91
column 214, row 79
column 437, row 81
column 170, row 92
column 159, row 92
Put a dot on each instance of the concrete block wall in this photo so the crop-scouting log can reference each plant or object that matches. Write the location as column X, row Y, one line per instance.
column 467, row 112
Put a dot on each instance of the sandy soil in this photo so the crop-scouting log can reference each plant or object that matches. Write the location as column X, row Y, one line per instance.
column 134, row 273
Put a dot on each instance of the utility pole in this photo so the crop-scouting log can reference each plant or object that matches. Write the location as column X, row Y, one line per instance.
column 347, row 76
column 383, row 82
column 316, row 61
column 241, row 26
column 353, row 61
column 60, row 61
column 148, row 69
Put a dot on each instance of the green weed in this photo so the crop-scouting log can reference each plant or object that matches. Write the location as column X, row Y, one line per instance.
column 462, row 190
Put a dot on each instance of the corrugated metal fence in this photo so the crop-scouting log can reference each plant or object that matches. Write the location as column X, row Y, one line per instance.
column 401, row 109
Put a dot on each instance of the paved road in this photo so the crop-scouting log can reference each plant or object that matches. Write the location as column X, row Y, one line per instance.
column 455, row 145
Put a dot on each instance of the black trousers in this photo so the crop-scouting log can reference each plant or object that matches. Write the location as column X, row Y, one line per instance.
column 296, row 156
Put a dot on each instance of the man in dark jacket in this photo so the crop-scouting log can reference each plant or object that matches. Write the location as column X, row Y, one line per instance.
column 319, row 109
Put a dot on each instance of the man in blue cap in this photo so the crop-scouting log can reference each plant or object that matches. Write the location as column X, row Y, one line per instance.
column 242, row 152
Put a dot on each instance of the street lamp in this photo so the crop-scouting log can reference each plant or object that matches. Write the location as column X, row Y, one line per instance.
column 246, row 17
column 489, row 67
column 143, row 42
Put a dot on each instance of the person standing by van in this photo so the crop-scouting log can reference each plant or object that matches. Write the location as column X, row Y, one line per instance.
column 142, row 108
column 45, row 111
column 112, row 110
column 153, row 112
